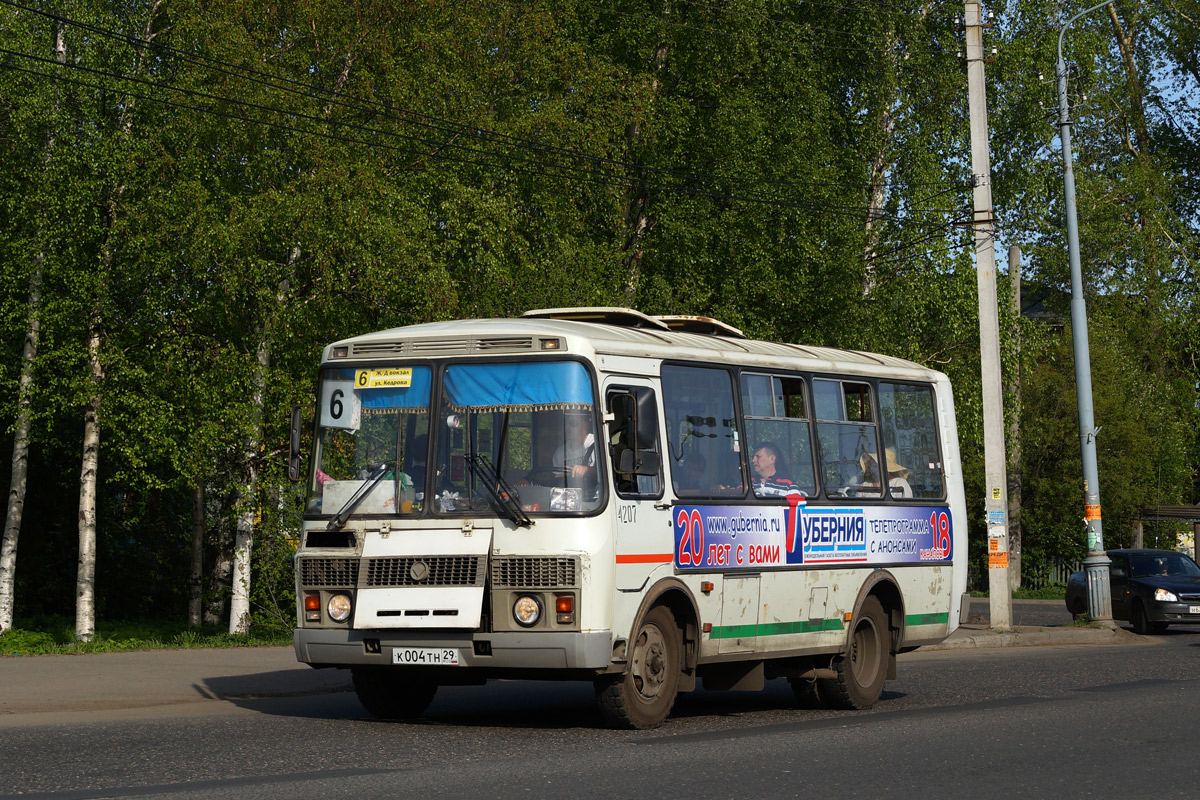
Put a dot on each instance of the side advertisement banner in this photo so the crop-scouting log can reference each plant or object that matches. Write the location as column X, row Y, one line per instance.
column 752, row 537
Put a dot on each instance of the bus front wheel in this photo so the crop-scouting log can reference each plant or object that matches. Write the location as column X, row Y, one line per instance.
column 644, row 695
column 388, row 694
column 862, row 669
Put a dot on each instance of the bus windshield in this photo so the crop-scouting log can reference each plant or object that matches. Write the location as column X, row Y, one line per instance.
column 373, row 429
column 504, row 434
column 535, row 423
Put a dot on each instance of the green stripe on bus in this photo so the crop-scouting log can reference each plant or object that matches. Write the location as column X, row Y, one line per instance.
column 774, row 629
column 927, row 619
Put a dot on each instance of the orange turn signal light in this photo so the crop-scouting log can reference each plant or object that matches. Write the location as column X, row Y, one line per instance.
column 312, row 602
column 564, row 603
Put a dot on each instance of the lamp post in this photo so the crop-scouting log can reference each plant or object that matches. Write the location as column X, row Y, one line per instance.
column 1096, row 563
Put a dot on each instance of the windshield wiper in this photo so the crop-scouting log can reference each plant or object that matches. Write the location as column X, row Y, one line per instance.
column 370, row 483
column 500, row 490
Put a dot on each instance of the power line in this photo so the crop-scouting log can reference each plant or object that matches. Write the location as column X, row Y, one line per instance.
column 527, row 165
column 523, row 164
column 406, row 116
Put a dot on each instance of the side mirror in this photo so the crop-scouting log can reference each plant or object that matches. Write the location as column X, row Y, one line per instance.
column 294, row 446
column 625, row 462
column 647, row 463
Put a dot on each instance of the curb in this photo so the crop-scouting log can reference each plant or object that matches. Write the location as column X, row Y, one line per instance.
column 1034, row 637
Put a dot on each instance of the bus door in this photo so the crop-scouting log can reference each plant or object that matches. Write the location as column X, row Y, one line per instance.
column 642, row 534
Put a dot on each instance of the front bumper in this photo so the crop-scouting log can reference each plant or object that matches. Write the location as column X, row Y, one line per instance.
column 1175, row 613
column 322, row 647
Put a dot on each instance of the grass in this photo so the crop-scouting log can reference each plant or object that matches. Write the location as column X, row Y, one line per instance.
column 1055, row 591
column 56, row 636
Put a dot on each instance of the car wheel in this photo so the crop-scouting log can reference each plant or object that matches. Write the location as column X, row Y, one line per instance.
column 1138, row 618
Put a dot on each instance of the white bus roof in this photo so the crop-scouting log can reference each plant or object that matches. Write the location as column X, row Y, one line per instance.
column 616, row 332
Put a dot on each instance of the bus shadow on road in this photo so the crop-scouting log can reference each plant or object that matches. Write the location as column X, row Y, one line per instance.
column 519, row 705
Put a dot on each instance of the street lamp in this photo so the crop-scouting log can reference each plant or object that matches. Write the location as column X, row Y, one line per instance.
column 1096, row 563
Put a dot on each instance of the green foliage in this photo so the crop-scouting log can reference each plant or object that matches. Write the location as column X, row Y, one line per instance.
column 277, row 177
column 55, row 635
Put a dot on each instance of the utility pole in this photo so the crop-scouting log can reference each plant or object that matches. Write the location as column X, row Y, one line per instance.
column 1096, row 563
column 996, row 487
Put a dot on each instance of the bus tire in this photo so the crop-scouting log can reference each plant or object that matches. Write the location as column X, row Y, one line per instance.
column 389, row 694
column 643, row 696
column 862, row 669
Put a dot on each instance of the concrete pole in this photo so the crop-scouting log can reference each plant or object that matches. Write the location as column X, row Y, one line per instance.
column 1139, row 535
column 996, row 488
column 1096, row 563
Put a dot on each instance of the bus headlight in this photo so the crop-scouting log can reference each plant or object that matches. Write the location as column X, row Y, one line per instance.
column 338, row 607
column 527, row 610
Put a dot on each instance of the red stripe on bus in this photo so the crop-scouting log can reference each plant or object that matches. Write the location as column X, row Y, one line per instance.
column 645, row 558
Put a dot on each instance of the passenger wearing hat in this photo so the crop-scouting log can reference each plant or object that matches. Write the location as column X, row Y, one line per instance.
column 897, row 476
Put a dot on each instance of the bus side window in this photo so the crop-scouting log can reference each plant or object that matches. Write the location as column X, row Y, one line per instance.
column 777, row 416
column 707, row 459
column 910, row 439
column 633, row 442
column 846, row 432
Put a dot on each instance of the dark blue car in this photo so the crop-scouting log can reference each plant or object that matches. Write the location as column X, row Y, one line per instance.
column 1150, row 588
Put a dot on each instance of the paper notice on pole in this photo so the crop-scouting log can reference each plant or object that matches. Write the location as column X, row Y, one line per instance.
column 998, row 560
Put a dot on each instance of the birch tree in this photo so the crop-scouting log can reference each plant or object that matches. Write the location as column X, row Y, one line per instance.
column 24, row 420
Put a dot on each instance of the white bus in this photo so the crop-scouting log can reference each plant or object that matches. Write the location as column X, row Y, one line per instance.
column 641, row 502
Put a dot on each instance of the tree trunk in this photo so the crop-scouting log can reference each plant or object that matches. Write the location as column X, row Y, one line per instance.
column 196, row 579
column 239, row 604
column 637, row 199
column 24, row 423
column 219, row 580
column 85, row 580
column 878, row 193
column 20, row 455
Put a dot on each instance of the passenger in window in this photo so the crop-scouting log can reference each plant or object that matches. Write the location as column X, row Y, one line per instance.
column 869, row 476
column 770, row 478
column 691, row 479
column 898, row 486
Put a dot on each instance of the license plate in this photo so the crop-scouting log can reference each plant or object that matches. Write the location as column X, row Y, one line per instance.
column 426, row 656
column 1194, row 609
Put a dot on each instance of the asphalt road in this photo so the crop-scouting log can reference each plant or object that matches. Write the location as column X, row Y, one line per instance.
column 1029, row 722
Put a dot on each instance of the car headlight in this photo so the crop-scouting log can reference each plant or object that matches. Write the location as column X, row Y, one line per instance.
column 1163, row 596
column 527, row 610
column 338, row 607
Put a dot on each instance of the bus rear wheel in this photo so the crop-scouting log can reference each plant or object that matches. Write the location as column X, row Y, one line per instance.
column 388, row 694
column 862, row 669
column 644, row 695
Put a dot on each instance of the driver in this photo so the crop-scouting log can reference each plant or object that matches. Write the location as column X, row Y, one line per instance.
column 577, row 454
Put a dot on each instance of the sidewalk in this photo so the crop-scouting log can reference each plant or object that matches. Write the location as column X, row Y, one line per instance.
column 146, row 678
column 150, row 678
column 977, row 633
